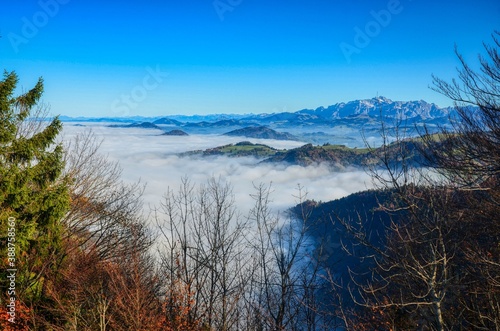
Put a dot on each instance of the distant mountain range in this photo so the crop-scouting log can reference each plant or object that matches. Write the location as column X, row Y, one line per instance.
column 375, row 107
column 380, row 106
column 341, row 123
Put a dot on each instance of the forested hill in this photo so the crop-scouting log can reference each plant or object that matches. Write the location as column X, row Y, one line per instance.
column 329, row 222
column 261, row 132
column 336, row 156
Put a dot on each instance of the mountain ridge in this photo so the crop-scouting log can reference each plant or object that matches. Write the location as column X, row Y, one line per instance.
column 347, row 123
column 380, row 106
column 373, row 107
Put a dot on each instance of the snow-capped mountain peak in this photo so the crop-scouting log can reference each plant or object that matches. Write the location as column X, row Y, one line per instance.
column 380, row 106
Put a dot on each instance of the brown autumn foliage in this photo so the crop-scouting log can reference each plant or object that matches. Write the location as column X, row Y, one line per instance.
column 178, row 306
column 22, row 318
column 108, row 279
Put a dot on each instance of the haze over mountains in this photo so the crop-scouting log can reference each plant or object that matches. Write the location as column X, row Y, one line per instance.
column 340, row 123
column 374, row 107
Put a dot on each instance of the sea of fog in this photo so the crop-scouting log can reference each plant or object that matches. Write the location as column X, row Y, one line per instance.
column 153, row 159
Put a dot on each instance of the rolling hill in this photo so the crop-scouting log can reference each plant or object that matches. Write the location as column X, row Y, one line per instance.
column 261, row 132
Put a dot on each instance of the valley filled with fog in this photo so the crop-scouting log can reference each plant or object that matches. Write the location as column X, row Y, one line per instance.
column 154, row 160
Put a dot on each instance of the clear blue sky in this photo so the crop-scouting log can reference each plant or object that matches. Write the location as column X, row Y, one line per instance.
column 151, row 57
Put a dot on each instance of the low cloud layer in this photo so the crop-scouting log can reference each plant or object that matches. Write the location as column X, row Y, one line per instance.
column 145, row 155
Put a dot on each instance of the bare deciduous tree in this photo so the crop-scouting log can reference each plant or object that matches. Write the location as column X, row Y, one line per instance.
column 439, row 267
column 105, row 212
column 205, row 250
column 468, row 154
column 285, row 281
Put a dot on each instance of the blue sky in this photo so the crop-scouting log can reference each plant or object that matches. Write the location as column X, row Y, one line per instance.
column 152, row 58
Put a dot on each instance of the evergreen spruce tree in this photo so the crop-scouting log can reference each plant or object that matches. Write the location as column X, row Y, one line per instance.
column 33, row 194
